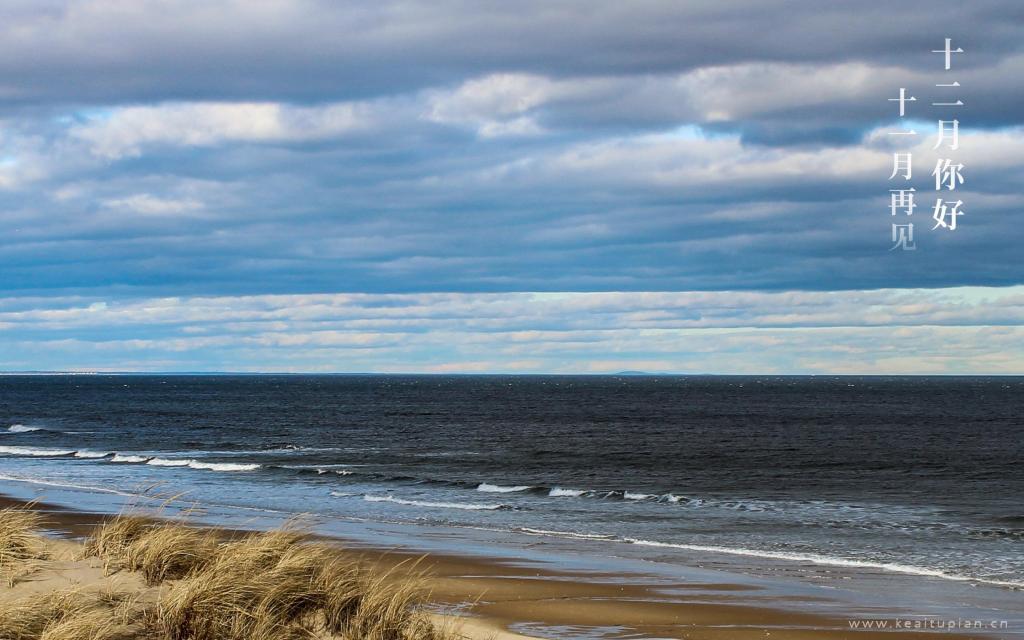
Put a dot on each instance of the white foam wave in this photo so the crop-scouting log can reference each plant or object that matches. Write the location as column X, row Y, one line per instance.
column 124, row 457
column 558, row 492
column 497, row 488
column 222, row 466
column 340, row 472
column 638, row 496
column 169, row 462
column 20, row 428
column 567, row 534
column 92, row 455
column 35, row 451
column 436, row 505
column 826, row 560
column 66, row 485
column 343, row 494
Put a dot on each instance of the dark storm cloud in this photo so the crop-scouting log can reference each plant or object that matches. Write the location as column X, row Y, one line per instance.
column 108, row 52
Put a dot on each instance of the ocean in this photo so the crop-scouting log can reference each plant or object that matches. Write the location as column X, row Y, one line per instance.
column 909, row 476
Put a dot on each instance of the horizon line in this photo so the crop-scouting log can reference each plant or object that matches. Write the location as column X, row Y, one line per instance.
column 621, row 374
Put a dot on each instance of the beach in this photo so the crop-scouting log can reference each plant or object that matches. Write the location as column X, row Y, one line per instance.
column 486, row 598
column 574, row 507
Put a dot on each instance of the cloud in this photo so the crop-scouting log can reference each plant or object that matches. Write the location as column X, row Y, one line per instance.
column 147, row 204
column 408, row 205
column 127, row 130
column 158, row 50
column 889, row 331
column 224, row 153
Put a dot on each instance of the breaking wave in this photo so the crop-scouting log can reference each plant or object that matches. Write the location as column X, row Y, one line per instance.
column 168, row 462
column 818, row 559
column 558, row 492
column 497, row 488
column 439, row 505
column 20, row 428
column 36, row 451
column 223, row 466
column 197, row 464
column 92, row 455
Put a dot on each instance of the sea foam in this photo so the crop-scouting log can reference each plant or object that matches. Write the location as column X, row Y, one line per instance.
column 558, row 492
column 92, row 455
column 637, row 496
column 437, row 505
column 123, row 457
column 35, row 451
column 818, row 559
column 222, row 466
column 20, row 428
column 496, row 488
column 169, row 462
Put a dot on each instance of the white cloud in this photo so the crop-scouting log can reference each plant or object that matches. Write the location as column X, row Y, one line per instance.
column 888, row 331
column 126, row 131
column 495, row 105
column 147, row 204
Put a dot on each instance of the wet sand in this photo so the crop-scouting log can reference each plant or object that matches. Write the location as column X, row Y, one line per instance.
column 500, row 598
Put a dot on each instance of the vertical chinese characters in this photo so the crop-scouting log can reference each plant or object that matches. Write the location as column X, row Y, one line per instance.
column 948, row 172
column 901, row 201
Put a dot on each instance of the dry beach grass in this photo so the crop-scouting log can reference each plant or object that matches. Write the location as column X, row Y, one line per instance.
column 20, row 544
column 207, row 585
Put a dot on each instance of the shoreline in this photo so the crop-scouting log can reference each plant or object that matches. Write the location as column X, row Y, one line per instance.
column 506, row 598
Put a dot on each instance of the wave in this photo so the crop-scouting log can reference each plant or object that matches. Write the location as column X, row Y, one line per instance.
column 68, row 485
column 128, row 458
column 613, row 494
column 497, row 488
column 318, row 469
column 626, row 495
column 123, row 457
column 558, row 492
column 207, row 466
column 20, row 428
column 439, row 505
column 169, row 462
column 92, row 455
column 814, row 558
column 566, row 534
column 36, row 451
column 283, row 447
column 344, row 470
column 223, row 466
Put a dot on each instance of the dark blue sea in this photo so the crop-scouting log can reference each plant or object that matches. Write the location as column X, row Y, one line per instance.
column 908, row 476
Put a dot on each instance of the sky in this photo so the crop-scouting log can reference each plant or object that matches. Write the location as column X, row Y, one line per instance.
column 492, row 187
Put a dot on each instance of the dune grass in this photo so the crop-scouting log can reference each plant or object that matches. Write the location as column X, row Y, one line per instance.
column 275, row 585
column 19, row 537
column 170, row 552
column 76, row 614
column 94, row 624
column 21, row 547
column 111, row 540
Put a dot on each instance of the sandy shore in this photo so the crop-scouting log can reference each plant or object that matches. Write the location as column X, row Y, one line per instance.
column 502, row 599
